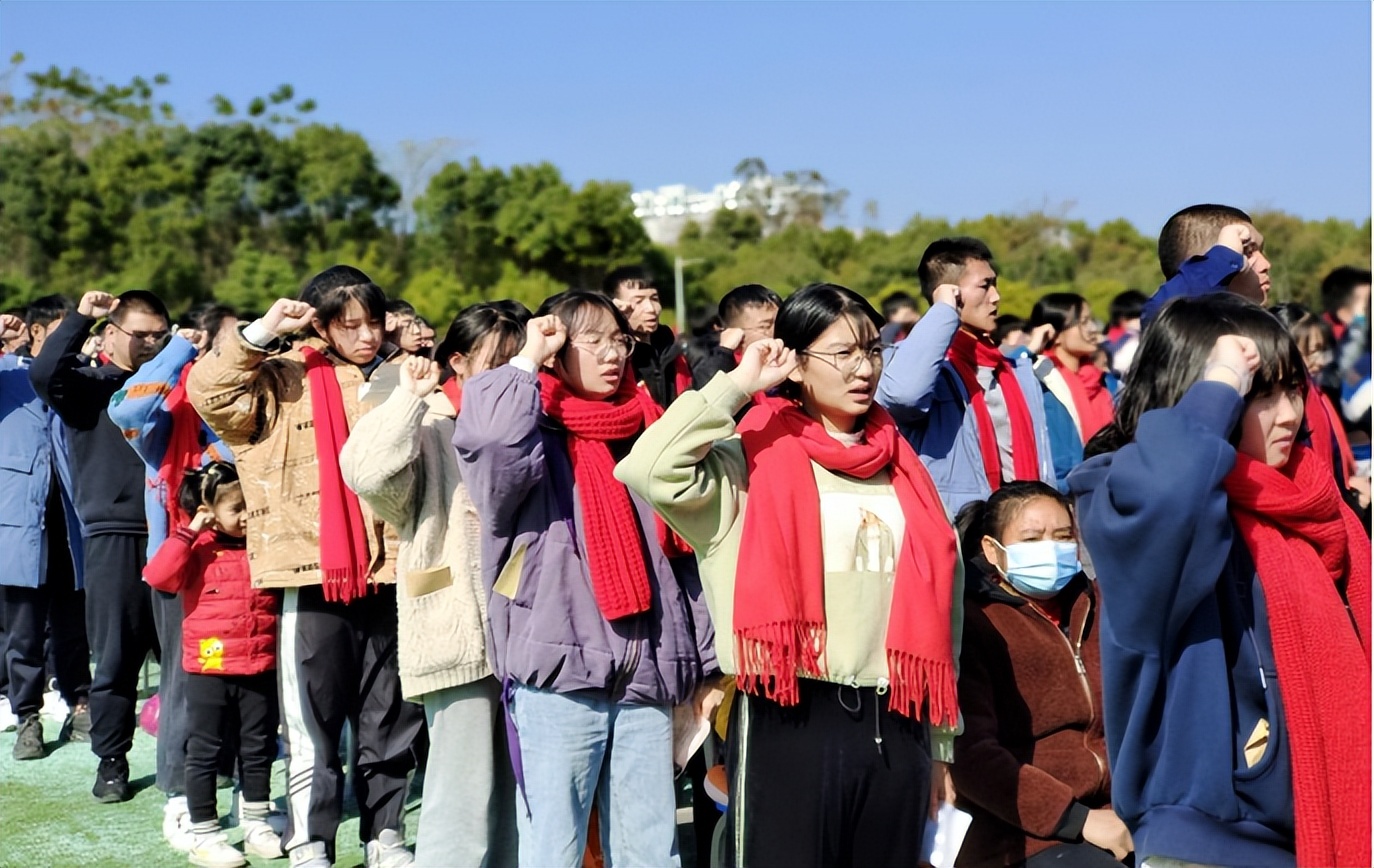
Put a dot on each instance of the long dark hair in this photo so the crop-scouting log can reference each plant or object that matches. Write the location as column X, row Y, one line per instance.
column 500, row 321
column 203, row 487
column 813, row 309
column 1174, row 351
column 1062, row 310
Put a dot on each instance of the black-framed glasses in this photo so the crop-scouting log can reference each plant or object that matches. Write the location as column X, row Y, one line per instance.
column 849, row 361
column 145, row 337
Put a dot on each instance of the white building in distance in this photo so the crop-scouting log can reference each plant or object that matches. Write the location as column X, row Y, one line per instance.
column 666, row 211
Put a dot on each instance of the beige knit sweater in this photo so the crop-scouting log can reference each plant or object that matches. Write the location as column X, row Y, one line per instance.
column 400, row 459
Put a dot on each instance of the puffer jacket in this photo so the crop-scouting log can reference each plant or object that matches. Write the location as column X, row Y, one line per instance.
column 230, row 627
column 259, row 404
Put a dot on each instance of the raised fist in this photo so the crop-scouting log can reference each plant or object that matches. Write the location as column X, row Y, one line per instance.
column 288, row 316
column 97, row 304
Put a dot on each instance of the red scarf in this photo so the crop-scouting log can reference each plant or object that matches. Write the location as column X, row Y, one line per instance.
column 1328, row 433
column 968, row 354
column 1306, row 545
column 183, row 453
column 780, row 576
column 1091, row 399
column 345, row 560
column 620, row 577
column 453, row 390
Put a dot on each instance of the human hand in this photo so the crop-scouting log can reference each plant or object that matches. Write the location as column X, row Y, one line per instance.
column 1237, row 237
column 202, row 520
column 730, row 339
column 419, row 376
column 544, row 337
column 1234, row 360
column 948, row 293
column 96, row 304
column 941, row 787
column 707, row 700
column 1360, row 485
column 764, row 365
column 1041, row 338
column 198, row 339
column 11, row 326
column 287, row 316
column 1104, row 829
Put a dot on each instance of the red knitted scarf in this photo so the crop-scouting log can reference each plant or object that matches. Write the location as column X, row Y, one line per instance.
column 620, row 577
column 968, row 355
column 1308, row 547
column 780, row 577
column 1328, row 433
column 345, row 560
column 1091, row 400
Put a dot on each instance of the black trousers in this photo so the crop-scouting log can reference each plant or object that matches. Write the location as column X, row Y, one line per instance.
column 212, row 701
column 54, row 609
column 337, row 664
column 810, row 785
column 1081, row 855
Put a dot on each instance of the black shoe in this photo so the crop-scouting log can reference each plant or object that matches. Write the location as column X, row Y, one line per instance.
column 78, row 725
column 112, row 780
column 28, row 744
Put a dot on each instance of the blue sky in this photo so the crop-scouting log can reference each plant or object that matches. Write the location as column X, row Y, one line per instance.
column 1098, row 109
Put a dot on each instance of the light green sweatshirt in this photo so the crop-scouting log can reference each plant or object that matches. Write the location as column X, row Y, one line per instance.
column 690, row 466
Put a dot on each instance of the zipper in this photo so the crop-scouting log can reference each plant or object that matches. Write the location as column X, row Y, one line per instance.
column 1076, row 649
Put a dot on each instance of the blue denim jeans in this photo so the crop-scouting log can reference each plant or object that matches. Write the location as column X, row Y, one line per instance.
column 578, row 747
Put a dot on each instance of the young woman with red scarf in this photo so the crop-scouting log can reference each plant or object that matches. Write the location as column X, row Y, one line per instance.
column 286, row 412
column 834, row 583
column 1236, row 601
column 593, row 636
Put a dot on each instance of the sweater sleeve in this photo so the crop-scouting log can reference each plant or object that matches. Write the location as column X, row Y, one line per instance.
column 500, row 448
column 1156, row 518
column 680, row 465
column 140, row 407
column 62, row 381
column 235, row 389
column 380, row 460
column 172, row 567
column 907, row 385
column 1201, row 275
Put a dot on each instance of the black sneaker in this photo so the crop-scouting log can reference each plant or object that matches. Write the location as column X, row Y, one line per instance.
column 112, row 780
column 78, row 725
column 28, row 743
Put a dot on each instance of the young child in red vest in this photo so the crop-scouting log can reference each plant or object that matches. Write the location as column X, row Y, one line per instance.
column 229, row 642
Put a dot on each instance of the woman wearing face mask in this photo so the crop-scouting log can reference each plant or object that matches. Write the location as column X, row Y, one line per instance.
column 1031, row 764
column 592, row 635
column 834, row 584
column 1235, row 592
column 399, row 459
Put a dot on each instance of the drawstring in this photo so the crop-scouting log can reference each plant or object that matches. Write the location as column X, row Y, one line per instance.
column 859, row 705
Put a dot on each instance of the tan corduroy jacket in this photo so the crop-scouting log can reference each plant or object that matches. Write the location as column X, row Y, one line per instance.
column 259, row 404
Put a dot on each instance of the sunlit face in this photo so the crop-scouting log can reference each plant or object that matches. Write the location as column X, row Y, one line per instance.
column 480, row 358
column 839, row 372
column 1253, row 283
column 1038, row 520
column 978, row 291
column 756, row 321
column 230, row 511
column 1081, row 337
column 405, row 331
column 135, row 339
column 355, row 335
column 639, row 302
column 1269, row 426
column 593, row 361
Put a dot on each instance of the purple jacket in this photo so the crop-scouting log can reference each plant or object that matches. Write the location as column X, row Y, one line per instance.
column 546, row 630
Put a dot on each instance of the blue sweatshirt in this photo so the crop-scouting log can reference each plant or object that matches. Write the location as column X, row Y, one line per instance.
column 1201, row 275
column 1187, row 664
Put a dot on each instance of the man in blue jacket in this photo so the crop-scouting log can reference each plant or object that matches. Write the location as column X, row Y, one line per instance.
column 1210, row 248
column 41, row 590
column 976, row 417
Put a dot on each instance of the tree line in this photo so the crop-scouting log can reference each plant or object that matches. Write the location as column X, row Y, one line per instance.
column 103, row 186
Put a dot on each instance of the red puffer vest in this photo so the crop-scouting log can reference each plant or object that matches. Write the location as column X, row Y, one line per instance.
column 230, row 627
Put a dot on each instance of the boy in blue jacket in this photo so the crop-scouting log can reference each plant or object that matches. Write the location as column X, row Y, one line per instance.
column 1210, row 248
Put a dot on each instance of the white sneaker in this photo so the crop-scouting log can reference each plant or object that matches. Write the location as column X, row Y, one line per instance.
column 8, row 721
column 275, row 819
column 312, row 855
column 54, row 708
column 213, row 850
column 176, row 824
column 388, row 851
column 260, row 840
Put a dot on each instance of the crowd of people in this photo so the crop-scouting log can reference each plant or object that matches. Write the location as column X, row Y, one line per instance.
column 1104, row 586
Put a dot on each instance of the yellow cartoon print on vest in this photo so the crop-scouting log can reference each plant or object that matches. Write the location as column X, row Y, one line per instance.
column 211, row 654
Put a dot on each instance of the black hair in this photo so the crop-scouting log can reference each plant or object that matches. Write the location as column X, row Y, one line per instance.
column 1127, row 305
column 945, row 259
column 138, row 301
column 980, row 518
column 636, row 275
column 400, row 305
column 1192, row 232
column 813, row 309
column 704, row 321
column 1303, row 324
column 46, row 310
column 1060, row 310
column 330, row 291
column 208, row 317
column 575, row 307
column 1173, row 353
column 203, row 487
column 1339, row 286
column 1006, row 324
column 499, row 321
column 898, row 300
column 733, row 303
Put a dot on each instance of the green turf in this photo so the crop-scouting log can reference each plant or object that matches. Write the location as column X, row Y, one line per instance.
column 48, row 818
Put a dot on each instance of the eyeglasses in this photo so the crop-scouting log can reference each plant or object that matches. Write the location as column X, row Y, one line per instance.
column 145, row 337
column 849, row 361
column 412, row 326
column 1090, row 328
column 600, row 346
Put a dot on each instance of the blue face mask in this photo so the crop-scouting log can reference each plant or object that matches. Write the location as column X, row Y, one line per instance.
column 1040, row 569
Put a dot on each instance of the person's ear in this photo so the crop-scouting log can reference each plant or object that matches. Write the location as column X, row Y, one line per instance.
column 994, row 553
column 796, row 374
